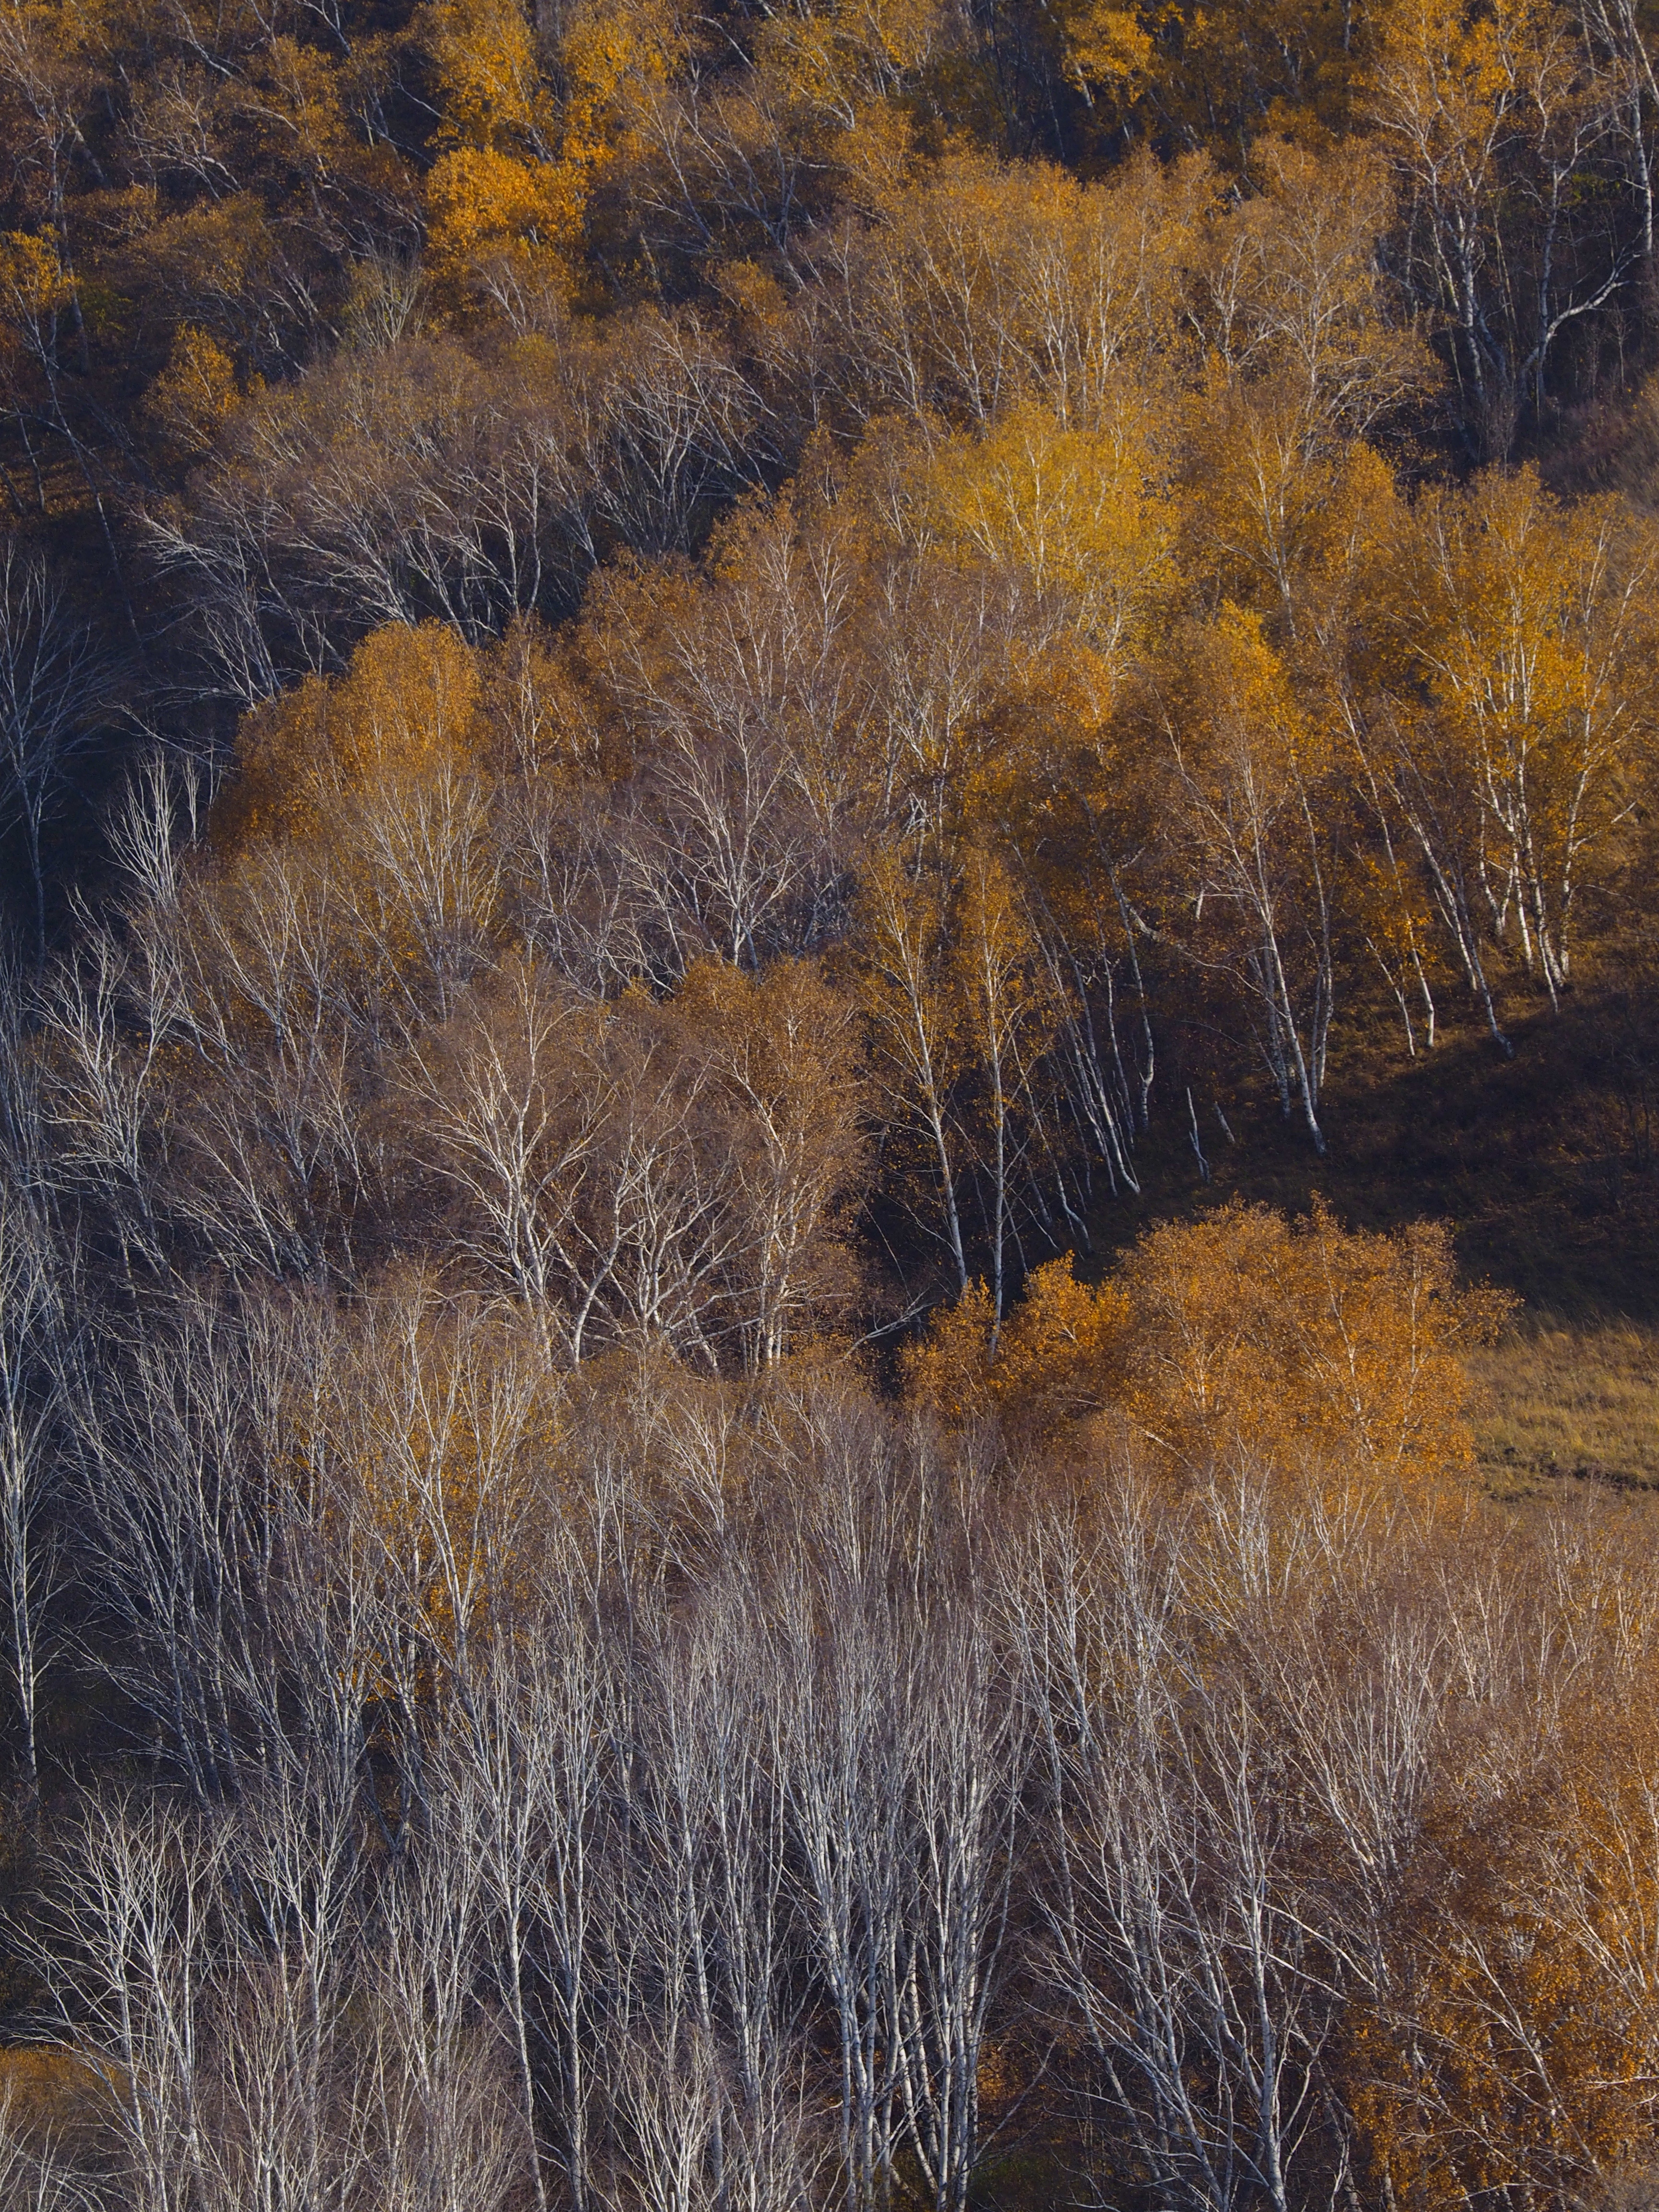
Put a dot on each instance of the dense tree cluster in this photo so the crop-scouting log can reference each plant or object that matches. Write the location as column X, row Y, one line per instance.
column 1134, row 1762
column 676, row 690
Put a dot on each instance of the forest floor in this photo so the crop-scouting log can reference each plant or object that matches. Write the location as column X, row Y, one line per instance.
column 1546, row 1164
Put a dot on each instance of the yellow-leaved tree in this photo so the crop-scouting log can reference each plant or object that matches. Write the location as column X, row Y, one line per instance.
column 1069, row 515
column 1518, row 717
column 1254, row 809
column 1240, row 1338
column 380, row 781
column 1303, row 1343
column 508, row 195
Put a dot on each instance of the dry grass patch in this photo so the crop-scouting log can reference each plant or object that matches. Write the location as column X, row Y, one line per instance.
column 1553, row 1400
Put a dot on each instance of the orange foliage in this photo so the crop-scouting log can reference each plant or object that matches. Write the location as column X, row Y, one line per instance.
column 1516, row 2044
column 483, row 204
column 1302, row 1342
column 404, row 710
column 1296, row 1344
column 51, row 2093
column 196, row 394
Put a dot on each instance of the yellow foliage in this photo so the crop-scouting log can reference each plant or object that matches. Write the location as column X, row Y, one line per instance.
column 848, row 66
column 196, row 394
column 1443, row 71
column 981, row 284
column 480, row 203
column 1066, row 508
column 1107, row 45
column 490, row 94
column 530, row 703
column 1279, row 508
column 406, row 705
column 947, row 1369
column 615, row 55
column 404, row 709
column 1303, row 1344
column 996, row 966
column 1300, row 1345
column 1060, row 1356
column 514, row 181
column 1528, row 624
column 1516, row 2044
column 34, row 282
column 1211, row 72
column 1247, row 748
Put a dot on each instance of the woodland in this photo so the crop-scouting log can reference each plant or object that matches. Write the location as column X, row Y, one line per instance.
column 829, row 1240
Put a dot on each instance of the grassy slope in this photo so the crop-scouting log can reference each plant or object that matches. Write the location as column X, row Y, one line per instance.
column 1558, row 1402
